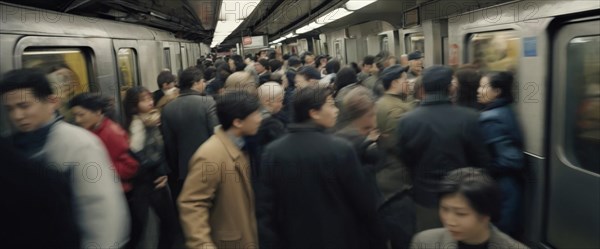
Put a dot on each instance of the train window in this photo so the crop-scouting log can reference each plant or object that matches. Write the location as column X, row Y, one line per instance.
column 495, row 51
column 384, row 43
column 67, row 69
column 582, row 136
column 128, row 69
column 415, row 42
column 167, row 58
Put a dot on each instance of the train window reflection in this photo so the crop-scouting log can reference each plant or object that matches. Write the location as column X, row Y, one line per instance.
column 495, row 51
column 167, row 58
column 583, row 114
column 128, row 69
column 384, row 45
column 415, row 42
column 67, row 70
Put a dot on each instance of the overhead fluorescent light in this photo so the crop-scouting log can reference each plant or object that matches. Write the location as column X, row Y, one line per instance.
column 231, row 15
column 354, row 5
column 333, row 16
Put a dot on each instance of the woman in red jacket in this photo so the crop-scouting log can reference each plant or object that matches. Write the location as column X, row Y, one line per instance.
column 92, row 112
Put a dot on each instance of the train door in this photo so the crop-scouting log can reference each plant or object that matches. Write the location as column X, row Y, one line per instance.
column 128, row 75
column 184, row 56
column 352, row 50
column 573, row 219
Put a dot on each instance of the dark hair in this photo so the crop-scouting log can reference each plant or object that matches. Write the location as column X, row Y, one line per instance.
column 318, row 60
column 504, row 82
column 235, row 105
column 26, row 78
column 249, row 56
column 286, row 57
column 130, row 103
column 354, row 66
column 368, row 60
column 309, row 72
column 344, row 77
column 164, row 77
column 238, row 60
column 332, row 66
column 275, row 64
column 264, row 63
column 477, row 187
column 306, row 99
column 189, row 76
column 294, row 61
column 210, row 72
column 94, row 102
column 390, row 74
column 468, row 82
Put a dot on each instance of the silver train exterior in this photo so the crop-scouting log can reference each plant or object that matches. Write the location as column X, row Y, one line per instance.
column 103, row 56
column 553, row 47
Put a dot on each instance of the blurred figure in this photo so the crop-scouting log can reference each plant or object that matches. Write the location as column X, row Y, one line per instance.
column 307, row 76
column 393, row 178
column 150, row 185
column 355, row 67
column 263, row 70
column 271, row 96
column 404, row 60
column 240, row 81
column 332, row 68
column 94, row 113
column 320, row 63
column 367, row 65
column 186, row 123
column 236, row 63
column 344, row 83
column 166, row 81
column 464, row 87
column 373, row 82
column 316, row 168
column 419, row 93
column 98, row 202
column 280, row 79
column 504, row 138
column 286, row 115
column 435, row 138
column 37, row 204
column 309, row 59
column 469, row 203
column 415, row 61
column 215, row 87
column 362, row 132
column 217, row 200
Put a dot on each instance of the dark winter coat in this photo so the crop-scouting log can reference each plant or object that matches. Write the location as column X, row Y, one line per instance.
column 436, row 138
column 186, row 123
column 504, row 139
column 313, row 194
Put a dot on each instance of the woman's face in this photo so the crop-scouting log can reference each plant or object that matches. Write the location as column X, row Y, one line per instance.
column 327, row 115
column 486, row 93
column 146, row 103
column 86, row 118
column 461, row 220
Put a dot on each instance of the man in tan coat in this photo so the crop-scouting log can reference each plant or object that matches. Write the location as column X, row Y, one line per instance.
column 216, row 204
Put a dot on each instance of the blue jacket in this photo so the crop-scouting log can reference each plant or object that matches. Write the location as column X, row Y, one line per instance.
column 504, row 139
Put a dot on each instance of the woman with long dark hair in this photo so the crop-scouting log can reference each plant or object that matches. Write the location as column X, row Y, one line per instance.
column 142, row 121
column 464, row 87
column 95, row 113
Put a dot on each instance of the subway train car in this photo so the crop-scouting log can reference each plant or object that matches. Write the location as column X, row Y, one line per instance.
column 553, row 48
column 89, row 54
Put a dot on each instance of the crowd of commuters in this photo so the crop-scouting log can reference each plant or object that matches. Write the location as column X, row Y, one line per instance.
column 270, row 151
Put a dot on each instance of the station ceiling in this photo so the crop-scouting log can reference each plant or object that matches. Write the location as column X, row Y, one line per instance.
column 196, row 19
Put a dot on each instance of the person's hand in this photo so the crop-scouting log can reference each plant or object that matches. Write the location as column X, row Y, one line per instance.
column 160, row 182
column 373, row 135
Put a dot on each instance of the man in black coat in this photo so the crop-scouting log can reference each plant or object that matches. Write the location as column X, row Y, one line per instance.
column 186, row 123
column 165, row 81
column 312, row 192
column 436, row 138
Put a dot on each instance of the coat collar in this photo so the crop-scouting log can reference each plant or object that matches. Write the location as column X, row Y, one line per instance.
column 233, row 150
column 495, row 240
column 496, row 103
column 186, row 92
column 435, row 98
column 305, row 127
